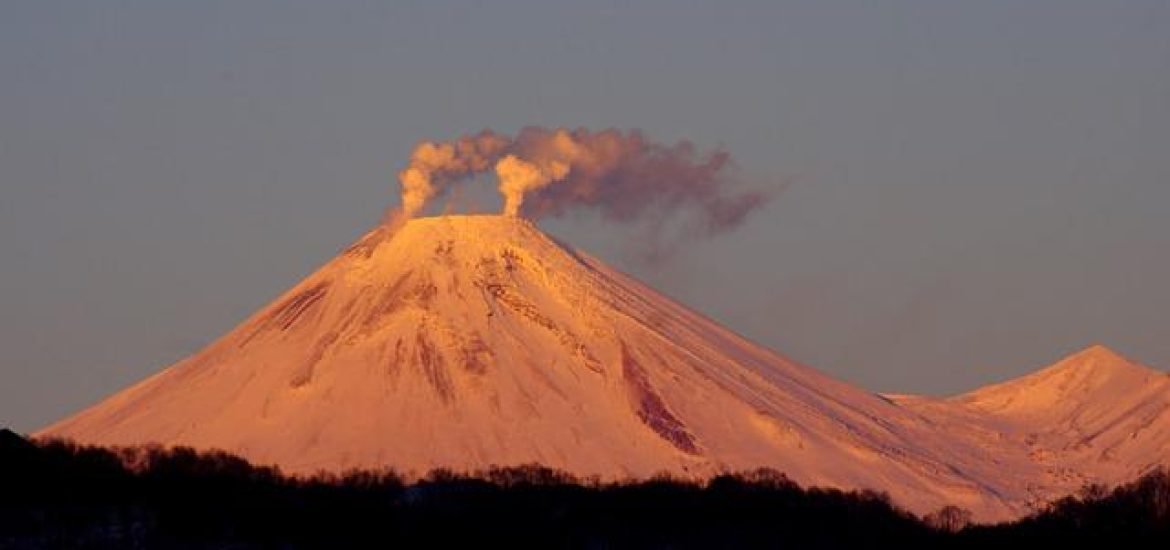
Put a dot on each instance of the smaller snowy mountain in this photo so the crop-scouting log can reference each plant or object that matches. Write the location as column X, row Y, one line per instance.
column 1094, row 417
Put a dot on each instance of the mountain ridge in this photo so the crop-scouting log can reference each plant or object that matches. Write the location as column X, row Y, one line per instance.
column 1093, row 417
column 1088, row 370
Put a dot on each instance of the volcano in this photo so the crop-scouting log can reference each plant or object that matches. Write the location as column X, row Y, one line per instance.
column 466, row 342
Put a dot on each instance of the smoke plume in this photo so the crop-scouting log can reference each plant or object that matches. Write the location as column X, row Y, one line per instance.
column 518, row 177
column 435, row 166
column 621, row 175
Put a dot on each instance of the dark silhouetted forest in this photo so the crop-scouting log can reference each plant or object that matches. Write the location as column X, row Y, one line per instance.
column 57, row 494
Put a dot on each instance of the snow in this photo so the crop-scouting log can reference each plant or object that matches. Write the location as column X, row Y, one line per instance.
column 1093, row 417
column 470, row 341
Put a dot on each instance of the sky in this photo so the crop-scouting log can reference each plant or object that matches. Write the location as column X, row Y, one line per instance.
column 975, row 189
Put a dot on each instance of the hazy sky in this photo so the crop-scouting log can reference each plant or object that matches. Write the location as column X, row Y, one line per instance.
column 980, row 187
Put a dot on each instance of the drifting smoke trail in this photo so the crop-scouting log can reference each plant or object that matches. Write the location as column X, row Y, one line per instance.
column 623, row 176
column 627, row 178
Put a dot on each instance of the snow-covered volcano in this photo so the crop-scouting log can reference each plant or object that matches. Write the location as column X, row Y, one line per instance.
column 470, row 341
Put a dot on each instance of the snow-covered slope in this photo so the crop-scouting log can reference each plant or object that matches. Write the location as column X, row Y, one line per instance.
column 1093, row 417
column 470, row 341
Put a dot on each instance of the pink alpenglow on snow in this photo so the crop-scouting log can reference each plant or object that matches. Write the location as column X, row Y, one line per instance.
column 470, row 341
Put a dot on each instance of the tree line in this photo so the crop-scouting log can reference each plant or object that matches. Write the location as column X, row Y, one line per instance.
column 58, row 494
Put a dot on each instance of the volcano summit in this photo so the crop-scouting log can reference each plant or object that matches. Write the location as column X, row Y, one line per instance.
column 471, row 341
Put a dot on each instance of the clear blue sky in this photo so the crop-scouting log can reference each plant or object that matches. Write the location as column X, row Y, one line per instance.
column 981, row 187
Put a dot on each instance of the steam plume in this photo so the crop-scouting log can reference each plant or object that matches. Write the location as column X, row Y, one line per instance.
column 518, row 177
column 435, row 166
column 627, row 178
column 622, row 175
